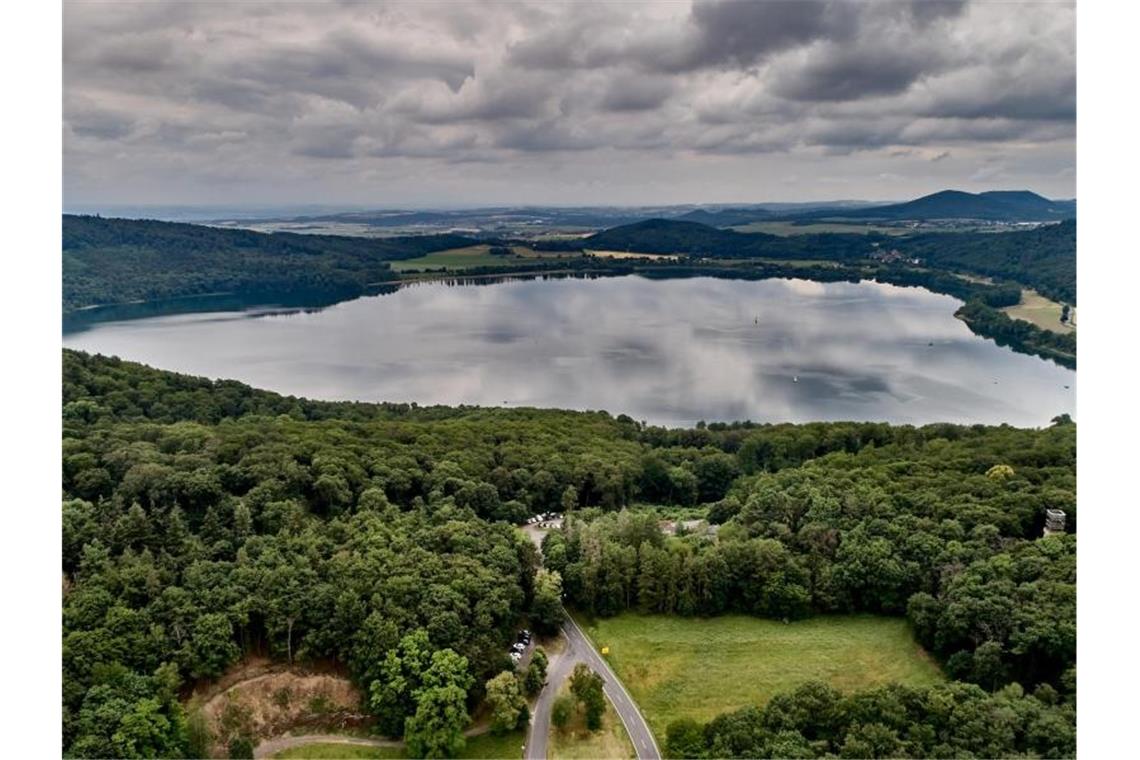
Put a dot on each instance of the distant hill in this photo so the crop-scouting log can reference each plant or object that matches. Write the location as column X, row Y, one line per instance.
column 995, row 206
column 115, row 261
column 727, row 217
column 1044, row 258
column 693, row 238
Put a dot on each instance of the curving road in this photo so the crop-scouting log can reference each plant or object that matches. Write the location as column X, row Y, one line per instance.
column 579, row 649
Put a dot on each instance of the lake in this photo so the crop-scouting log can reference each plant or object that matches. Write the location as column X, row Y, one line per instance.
column 666, row 351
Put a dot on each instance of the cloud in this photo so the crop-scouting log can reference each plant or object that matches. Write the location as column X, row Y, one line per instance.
column 371, row 100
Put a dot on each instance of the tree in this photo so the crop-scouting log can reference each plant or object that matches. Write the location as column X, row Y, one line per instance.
column 685, row 738
column 562, row 710
column 587, row 688
column 436, row 728
column 392, row 694
column 547, row 608
column 535, row 677
column 211, row 648
column 241, row 747
column 506, row 701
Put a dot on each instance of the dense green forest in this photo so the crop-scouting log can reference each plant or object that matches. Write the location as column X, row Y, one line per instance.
column 955, row 720
column 204, row 519
column 115, row 261
column 1044, row 258
column 700, row 240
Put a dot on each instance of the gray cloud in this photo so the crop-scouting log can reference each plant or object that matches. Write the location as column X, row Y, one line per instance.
column 626, row 102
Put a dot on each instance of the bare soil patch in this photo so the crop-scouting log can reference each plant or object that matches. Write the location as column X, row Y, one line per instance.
column 262, row 700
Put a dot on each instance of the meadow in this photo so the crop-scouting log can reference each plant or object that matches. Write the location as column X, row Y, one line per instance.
column 1041, row 311
column 455, row 259
column 697, row 668
column 485, row 747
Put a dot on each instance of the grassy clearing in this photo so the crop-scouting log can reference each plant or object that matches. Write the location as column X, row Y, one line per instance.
column 485, row 747
column 576, row 742
column 489, row 747
column 632, row 255
column 455, row 258
column 1039, row 310
column 458, row 259
column 682, row 667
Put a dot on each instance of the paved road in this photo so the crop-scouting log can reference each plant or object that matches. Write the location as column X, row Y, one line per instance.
column 579, row 649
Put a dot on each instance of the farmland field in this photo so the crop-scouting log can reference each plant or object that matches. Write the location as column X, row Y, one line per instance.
column 472, row 256
column 1039, row 310
column 693, row 668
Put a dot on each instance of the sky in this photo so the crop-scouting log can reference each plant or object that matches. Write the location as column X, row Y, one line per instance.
column 451, row 104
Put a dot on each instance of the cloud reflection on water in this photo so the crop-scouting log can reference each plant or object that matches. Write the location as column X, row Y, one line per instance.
column 668, row 351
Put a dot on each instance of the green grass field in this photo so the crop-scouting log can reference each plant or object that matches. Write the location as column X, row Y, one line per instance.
column 692, row 668
column 455, row 258
column 458, row 259
column 485, row 747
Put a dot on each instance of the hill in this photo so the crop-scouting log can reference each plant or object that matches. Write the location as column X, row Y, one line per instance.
column 1044, row 258
column 996, row 206
column 674, row 236
column 116, row 261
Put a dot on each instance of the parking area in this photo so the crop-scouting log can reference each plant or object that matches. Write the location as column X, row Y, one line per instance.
column 522, row 648
column 539, row 525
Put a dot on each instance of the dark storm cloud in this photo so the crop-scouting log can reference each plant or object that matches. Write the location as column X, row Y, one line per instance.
column 845, row 73
column 99, row 124
column 794, row 93
column 738, row 32
column 632, row 93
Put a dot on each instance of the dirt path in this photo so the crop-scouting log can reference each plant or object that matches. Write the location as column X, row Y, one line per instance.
column 271, row 747
column 282, row 743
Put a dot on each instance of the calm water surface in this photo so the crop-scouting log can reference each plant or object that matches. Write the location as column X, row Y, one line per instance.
column 667, row 351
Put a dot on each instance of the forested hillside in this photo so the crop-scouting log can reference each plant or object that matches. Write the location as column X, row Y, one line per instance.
column 695, row 239
column 115, row 261
column 202, row 520
column 1044, row 258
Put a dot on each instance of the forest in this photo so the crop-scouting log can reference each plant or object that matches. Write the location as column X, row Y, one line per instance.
column 954, row 720
column 203, row 520
column 116, row 261
column 1044, row 258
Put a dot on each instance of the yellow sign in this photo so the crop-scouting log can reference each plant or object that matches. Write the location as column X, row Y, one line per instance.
column 605, row 650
